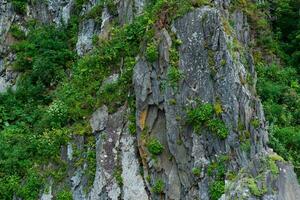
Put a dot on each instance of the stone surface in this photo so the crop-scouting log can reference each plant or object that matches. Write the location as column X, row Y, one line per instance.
column 133, row 183
column 212, row 71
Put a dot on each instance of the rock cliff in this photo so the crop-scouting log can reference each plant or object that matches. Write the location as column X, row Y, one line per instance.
column 201, row 63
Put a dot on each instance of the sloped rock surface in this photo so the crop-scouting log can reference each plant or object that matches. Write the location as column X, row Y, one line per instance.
column 213, row 73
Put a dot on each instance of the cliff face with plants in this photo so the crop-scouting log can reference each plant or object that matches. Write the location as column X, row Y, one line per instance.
column 148, row 99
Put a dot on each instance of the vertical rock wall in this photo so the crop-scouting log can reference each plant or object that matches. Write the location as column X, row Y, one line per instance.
column 216, row 67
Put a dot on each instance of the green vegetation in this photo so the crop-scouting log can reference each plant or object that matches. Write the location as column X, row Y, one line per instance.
column 16, row 32
column 218, row 127
column 152, row 52
column 158, row 187
column 216, row 189
column 154, row 146
column 19, row 6
column 278, row 82
column 203, row 116
column 118, row 176
column 174, row 76
column 31, row 120
column 254, row 189
column 273, row 167
column 196, row 171
column 64, row 195
column 255, row 123
column 217, row 170
column 57, row 91
column 199, row 115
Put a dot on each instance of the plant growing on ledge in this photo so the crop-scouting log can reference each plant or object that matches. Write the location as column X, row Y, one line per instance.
column 19, row 6
column 158, row 187
column 218, row 127
column 152, row 52
column 154, row 146
column 204, row 116
column 199, row 115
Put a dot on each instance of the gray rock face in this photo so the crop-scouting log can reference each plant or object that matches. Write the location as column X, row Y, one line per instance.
column 113, row 140
column 51, row 11
column 258, row 181
column 214, row 73
column 127, row 10
column 133, row 183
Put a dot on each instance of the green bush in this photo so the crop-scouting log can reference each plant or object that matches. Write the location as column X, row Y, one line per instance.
column 218, row 127
column 199, row 115
column 19, row 6
column 196, row 171
column 254, row 189
column 203, row 116
column 152, row 52
column 216, row 189
column 174, row 76
column 158, row 187
column 16, row 32
column 64, row 195
column 154, row 146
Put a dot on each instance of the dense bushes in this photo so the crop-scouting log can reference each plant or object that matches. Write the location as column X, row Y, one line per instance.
column 278, row 84
column 280, row 92
column 27, row 134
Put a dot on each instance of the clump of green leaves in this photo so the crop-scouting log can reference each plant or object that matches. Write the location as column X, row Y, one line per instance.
column 64, row 195
column 217, row 170
column 254, row 189
column 279, row 90
column 174, row 75
column 218, row 127
column 255, row 123
column 152, row 52
column 196, row 171
column 199, row 115
column 17, row 32
column 216, row 189
column 203, row 116
column 19, row 6
column 158, row 187
column 154, row 146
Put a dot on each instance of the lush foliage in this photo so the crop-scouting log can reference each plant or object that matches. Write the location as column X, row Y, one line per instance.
column 206, row 116
column 30, row 129
column 19, row 6
column 278, row 83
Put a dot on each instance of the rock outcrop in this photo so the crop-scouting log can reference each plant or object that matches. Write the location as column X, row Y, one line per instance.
column 215, row 66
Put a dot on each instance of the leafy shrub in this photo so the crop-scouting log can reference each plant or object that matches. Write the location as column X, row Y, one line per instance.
column 196, row 171
column 218, row 127
column 174, row 76
column 254, row 189
column 203, row 116
column 64, row 195
column 278, row 88
column 19, row 6
column 199, row 115
column 158, row 187
column 16, row 32
column 152, row 52
column 216, row 189
column 154, row 146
